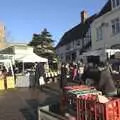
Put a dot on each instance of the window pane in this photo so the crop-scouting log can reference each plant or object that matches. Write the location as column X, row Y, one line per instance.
column 117, row 2
column 116, row 26
column 99, row 33
column 113, row 3
column 113, row 29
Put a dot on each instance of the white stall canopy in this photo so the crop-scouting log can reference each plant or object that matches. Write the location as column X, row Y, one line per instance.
column 32, row 58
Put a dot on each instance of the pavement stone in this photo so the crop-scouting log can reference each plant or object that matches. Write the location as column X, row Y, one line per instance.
column 22, row 103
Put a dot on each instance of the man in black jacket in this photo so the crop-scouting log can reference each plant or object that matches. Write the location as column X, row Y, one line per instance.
column 63, row 77
column 106, row 84
column 91, row 75
column 101, row 78
column 39, row 71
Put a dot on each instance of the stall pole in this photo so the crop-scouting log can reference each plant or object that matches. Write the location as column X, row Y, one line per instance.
column 23, row 67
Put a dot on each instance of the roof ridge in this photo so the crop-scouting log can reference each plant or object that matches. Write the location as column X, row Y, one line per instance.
column 77, row 31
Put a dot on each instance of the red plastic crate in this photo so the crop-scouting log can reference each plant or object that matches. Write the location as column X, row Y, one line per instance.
column 92, row 110
column 70, row 98
column 77, row 87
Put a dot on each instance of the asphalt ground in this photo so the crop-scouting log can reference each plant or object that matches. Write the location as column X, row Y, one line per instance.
column 22, row 103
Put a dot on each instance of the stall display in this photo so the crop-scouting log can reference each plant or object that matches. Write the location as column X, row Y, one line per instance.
column 22, row 81
column 2, row 87
column 6, row 74
column 26, row 78
column 10, row 82
column 86, row 103
column 93, row 109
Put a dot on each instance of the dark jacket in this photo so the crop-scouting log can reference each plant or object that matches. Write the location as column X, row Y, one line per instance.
column 39, row 71
column 106, row 84
column 91, row 73
column 63, row 80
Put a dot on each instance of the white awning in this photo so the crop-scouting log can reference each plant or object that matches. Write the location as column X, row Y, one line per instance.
column 32, row 58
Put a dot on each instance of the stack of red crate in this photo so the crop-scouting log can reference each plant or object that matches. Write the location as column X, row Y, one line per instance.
column 72, row 93
column 90, row 109
column 67, row 98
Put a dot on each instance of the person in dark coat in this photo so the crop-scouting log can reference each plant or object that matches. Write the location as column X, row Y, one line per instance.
column 101, row 79
column 106, row 84
column 74, row 73
column 63, row 79
column 39, row 71
column 91, row 75
column 4, row 72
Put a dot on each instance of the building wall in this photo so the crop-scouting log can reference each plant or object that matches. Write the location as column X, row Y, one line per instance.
column 105, row 21
column 74, row 46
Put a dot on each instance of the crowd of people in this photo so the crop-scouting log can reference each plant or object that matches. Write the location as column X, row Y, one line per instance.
column 91, row 74
column 71, row 72
column 97, row 75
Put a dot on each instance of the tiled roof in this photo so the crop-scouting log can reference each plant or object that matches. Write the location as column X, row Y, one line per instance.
column 107, row 7
column 80, row 30
column 77, row 32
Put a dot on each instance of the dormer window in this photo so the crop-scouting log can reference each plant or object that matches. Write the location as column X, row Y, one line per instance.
column 78, row 42
column 115, row 3
column 115, row 26
column 99, row 33
column 68, row 47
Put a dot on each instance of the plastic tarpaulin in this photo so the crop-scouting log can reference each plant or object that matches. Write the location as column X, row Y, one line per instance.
column 32, row 58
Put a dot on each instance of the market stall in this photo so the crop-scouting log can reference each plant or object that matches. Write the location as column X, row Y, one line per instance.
column 26, row 78
column 32, row 58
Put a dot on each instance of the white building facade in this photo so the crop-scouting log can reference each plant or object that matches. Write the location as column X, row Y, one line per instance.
column 76, row 41
column 72, row 51
column 105, row 30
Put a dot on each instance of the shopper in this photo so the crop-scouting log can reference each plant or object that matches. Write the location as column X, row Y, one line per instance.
column 80, row 72
column 74, row 72
column 91, row 75
column 39, row 75
column 68, row 72
column 4, row 72
column 100, row 77
column 106, row 84
column 63, row 78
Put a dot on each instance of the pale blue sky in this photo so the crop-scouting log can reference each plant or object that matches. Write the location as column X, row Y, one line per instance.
column 22, row 18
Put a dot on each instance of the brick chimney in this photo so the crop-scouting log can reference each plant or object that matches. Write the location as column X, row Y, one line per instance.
column 84, row 16
column 2, row 36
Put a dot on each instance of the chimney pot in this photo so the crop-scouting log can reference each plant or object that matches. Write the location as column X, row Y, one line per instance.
column 84, row 16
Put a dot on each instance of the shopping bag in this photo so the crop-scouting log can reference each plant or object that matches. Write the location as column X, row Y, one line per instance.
column 41, row 80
